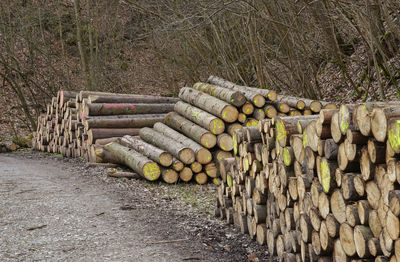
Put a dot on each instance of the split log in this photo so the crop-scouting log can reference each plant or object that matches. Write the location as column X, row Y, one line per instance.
column 136, row 161
column 210, row 104
column 200, row 117
column 154, row 153
column 185, row 154
column 203, row 155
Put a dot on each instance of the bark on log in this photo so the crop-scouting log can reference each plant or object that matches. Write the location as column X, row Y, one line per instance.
column 183, row 153
column 252, row 94
column 99, row 133
column 379, row 121
column 154, row 153
column 136, row 161
column 210, row 104
column 203, row 155
column 99, row 109
column 190, row 129
column 235, row 98
column 200, row 117
column 122, row 122
column 130, row 98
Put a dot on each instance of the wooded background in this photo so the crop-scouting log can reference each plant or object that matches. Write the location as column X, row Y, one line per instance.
column 306, row 48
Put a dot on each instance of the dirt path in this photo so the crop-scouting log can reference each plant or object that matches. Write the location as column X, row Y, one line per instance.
column 52, row 209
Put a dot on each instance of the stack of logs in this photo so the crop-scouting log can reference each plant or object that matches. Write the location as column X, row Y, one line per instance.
column 312, row 186
column 76, row 120
column 195, row 136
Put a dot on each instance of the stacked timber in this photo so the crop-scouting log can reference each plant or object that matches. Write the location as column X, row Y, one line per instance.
column 318, row 188
column 76, row 121
column 197, row 134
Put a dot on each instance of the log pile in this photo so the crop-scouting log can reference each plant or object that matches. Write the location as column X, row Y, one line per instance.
column 76, row 121
column 191, row 139
column 318, row 188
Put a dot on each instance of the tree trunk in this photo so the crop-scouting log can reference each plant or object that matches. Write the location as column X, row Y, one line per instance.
column 252, row 95
column 203, row 155
column 200, row 117
column 99, row 133
column 154, row 153
column 235, row 98
column 210, row 104
column 136, row 161
column 190, row 129
column 130, row 98
column 122, row 122
column 183, row 153
column 125, row 109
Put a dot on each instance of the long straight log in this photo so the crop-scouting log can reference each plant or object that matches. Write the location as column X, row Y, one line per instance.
column 252, row 94
column 129, row 98
column 154, row 153
column 123, row 116
column 97, row 109
column 190, row 129
column 98, row 133
column 233, row 97
column 203, row 155
column 183, row 153
column 136, row 161
column 215, row 106
column 122, row 122
column 200, row 117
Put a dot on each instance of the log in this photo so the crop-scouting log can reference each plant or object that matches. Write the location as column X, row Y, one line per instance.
column 225, row 142
column 361, row 236
column 210, row 104
column 122, row 122
column 130, row 98
column 136, row 161
column 169, row 176
column 186, row 174
column 345, row 117
column 338, row 206
column 203, row 155
column 200, row 117
column 235, row 98
column 185, row 154
column 335, row 129
column 99, row 133
column 346, row 235
column 154, row 153
column 191, row 130
column 252, row 94
column 201, row 178
column 110, row 117
column 379, row 121
column 196, row 167
column 99, row 109
column 105, row 141
column 122, row 174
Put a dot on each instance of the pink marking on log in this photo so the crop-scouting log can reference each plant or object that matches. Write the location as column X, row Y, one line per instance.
column 132, row 106
column 108, row 106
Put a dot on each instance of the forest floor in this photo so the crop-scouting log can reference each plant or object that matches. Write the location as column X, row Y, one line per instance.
column 58, row 209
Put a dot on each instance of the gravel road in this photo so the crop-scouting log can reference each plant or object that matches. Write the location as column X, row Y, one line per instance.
column 56, row 210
